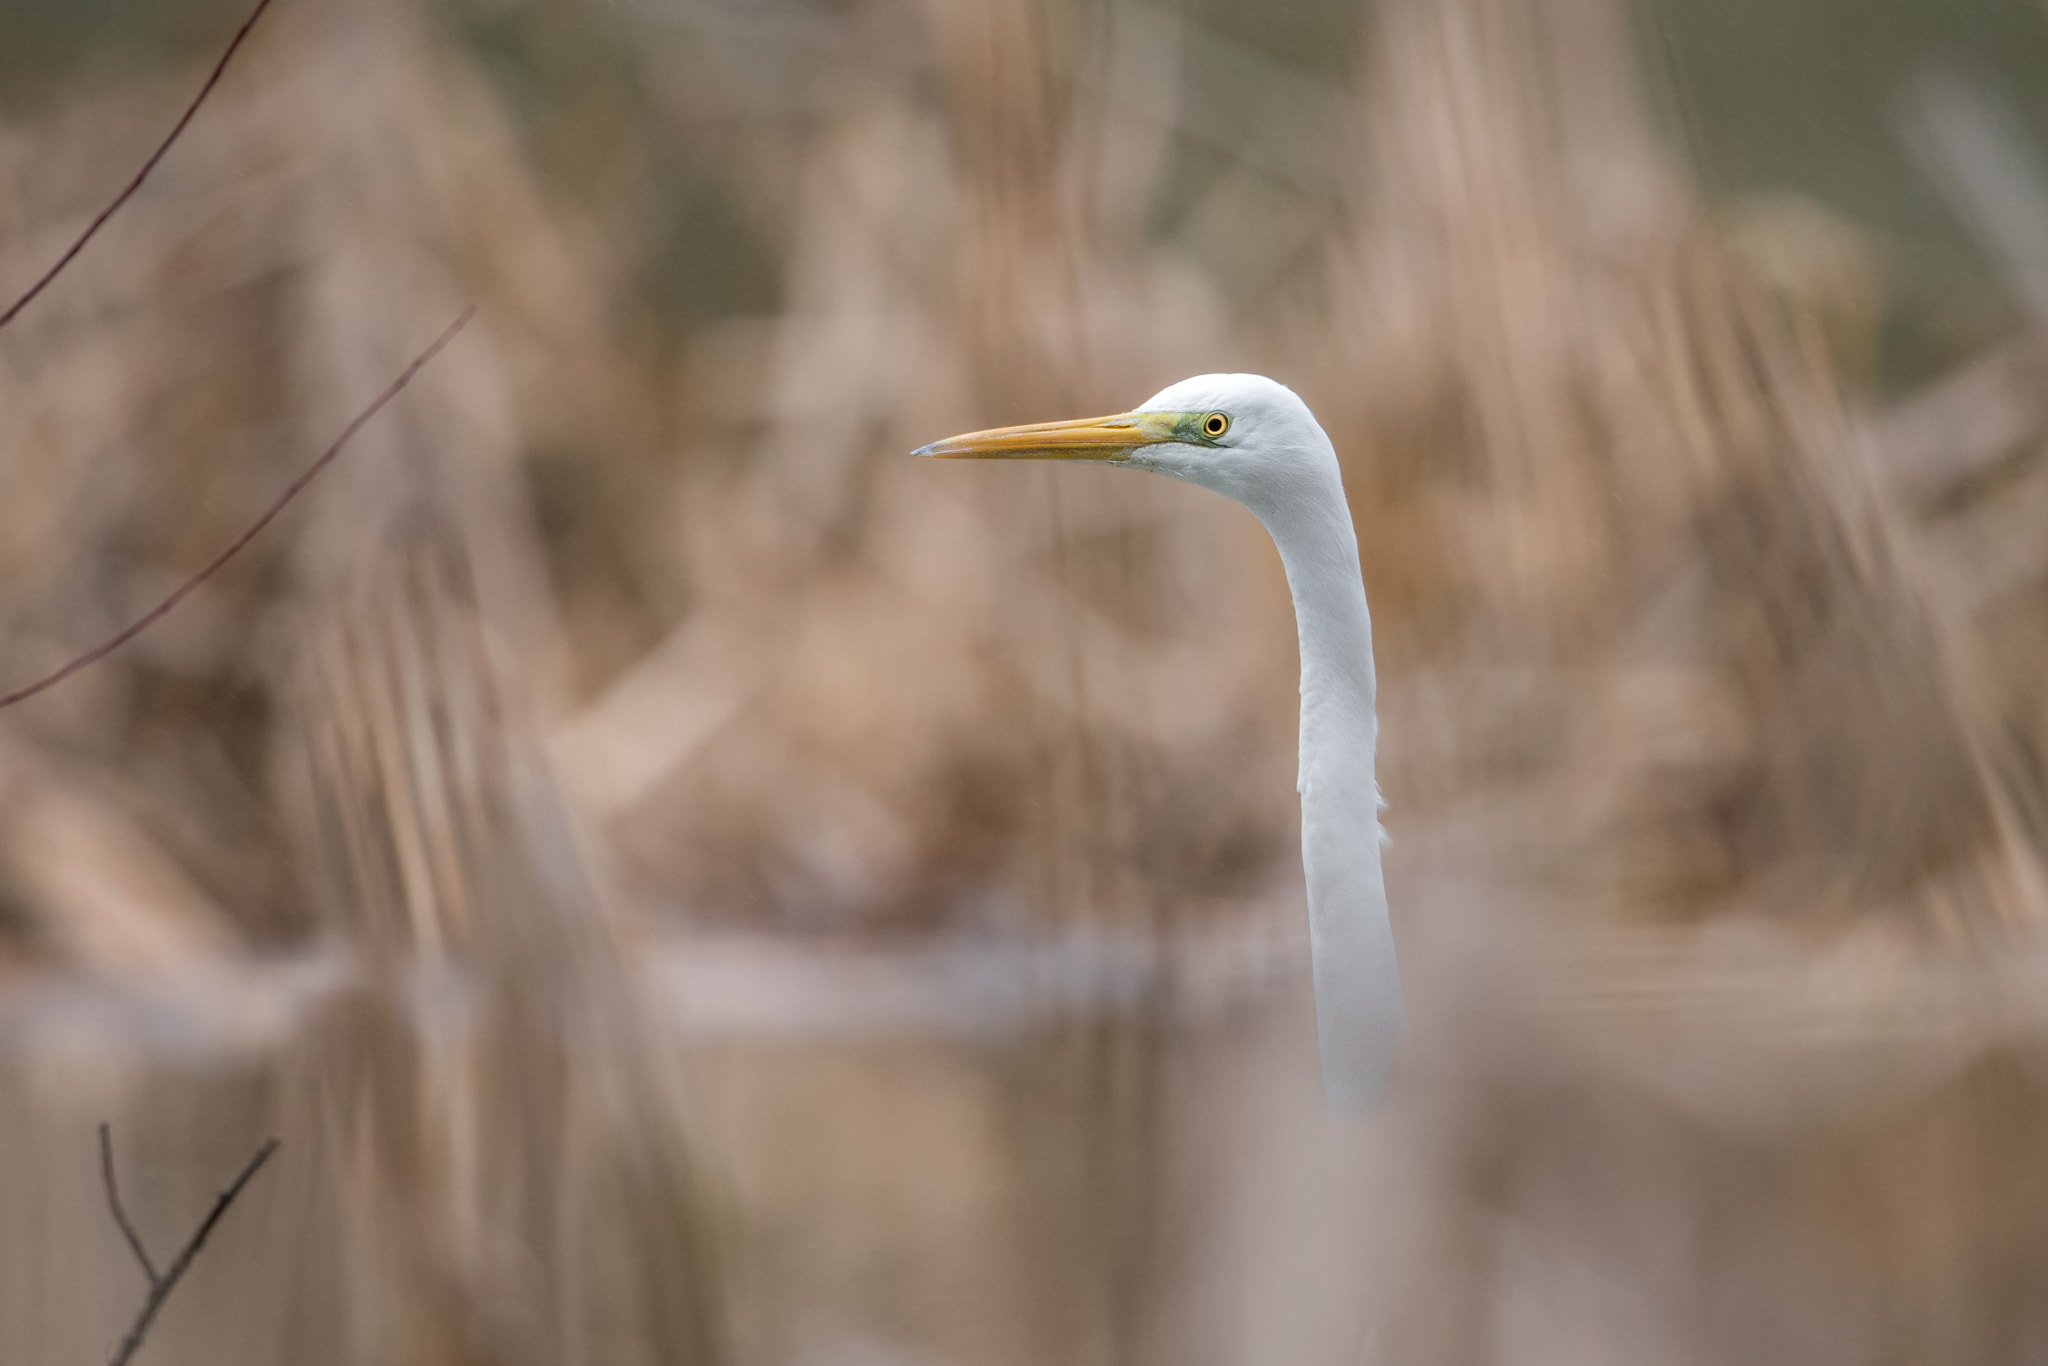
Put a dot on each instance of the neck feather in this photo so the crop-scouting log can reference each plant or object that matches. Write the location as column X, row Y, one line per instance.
column 1359, row 1012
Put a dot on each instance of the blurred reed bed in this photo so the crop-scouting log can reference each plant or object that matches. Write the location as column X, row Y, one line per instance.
column 689, row 883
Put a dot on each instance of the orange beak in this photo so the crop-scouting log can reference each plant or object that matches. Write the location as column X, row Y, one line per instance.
column 1090, row 438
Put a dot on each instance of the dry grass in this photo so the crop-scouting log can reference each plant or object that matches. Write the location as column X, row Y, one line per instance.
column 691, row 884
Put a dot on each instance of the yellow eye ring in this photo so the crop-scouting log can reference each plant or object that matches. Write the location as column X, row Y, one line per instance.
column 1215, row 424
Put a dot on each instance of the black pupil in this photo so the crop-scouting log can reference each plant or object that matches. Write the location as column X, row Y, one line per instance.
column 1215, row 426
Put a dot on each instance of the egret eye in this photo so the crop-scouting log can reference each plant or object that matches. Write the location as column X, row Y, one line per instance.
column 1215, row 424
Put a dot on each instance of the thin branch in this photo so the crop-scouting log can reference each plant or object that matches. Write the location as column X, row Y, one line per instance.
column 121, row 1215
column 150, row 165
column 160, row 1287
column 292, row 491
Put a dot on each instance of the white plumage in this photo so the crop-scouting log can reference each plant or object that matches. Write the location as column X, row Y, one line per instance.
column 1255, row 441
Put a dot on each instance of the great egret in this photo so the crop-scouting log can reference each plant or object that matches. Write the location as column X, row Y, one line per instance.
column 1253, row 440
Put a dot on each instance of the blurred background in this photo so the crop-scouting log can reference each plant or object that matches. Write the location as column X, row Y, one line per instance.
column 689, row 883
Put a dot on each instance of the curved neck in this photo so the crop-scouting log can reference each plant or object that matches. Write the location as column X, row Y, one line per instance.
column 1359, row 1011
column 1339, row 690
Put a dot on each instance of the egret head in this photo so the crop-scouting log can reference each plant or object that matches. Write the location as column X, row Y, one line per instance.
column 1244, row 436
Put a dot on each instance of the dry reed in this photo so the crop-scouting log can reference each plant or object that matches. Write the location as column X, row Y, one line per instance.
column 691, row 884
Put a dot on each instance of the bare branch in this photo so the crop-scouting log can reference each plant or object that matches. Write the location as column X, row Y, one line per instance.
column 160, row 1287
column 150, row 165
column 114, row 1200
column 213, row 566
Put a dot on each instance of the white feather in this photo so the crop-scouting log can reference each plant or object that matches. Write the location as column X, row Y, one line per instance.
column 1277, row 461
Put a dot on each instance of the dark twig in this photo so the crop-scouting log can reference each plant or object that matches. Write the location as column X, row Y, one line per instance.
column 292, row 491
column 114, row 1200
column 160, row 1287
column 150, row 165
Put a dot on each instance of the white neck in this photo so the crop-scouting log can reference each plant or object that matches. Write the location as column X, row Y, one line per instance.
column 1359, row 1013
